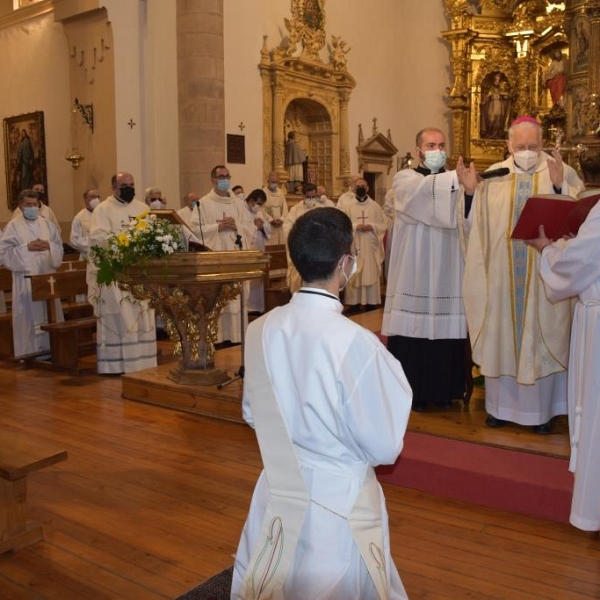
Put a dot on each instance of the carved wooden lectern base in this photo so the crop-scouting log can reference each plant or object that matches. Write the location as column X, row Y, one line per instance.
column 188, row 291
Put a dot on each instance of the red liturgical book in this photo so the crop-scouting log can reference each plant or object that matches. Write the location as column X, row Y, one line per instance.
column 559, row 214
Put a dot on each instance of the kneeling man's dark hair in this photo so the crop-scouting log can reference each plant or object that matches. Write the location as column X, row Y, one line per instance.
column 317, row 241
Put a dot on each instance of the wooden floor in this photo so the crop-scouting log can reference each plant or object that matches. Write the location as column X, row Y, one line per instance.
column 151, row 501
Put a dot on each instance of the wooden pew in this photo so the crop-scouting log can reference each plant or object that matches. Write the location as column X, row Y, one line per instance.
column 18, row 457
column 73, row 338
column 277, row 291
column 7, row 347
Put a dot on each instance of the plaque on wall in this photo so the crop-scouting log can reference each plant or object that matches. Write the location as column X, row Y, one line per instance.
column 236, row 149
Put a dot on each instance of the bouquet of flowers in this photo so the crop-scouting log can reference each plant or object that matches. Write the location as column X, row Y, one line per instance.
column 145, row 237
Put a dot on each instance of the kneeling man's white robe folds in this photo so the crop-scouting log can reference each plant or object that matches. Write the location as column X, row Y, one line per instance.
column 335, row 404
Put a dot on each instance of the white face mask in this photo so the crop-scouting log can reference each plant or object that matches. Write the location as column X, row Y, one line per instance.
column 352, row 270
column 241, row 196
column 310, row 202
column 94, row 202
column 323, row 199
column 526, row 159
column 255, row 208
column 434, row 160
column 156, row 204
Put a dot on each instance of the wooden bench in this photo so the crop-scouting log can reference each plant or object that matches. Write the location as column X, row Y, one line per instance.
column 7, row 347
column 18, row 457
column 277, row 292
column 73, row 338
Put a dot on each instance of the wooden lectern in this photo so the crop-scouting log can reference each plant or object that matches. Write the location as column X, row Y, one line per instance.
column 188, row 290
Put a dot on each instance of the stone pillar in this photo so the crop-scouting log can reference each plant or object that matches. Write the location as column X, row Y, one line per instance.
column 201, row 89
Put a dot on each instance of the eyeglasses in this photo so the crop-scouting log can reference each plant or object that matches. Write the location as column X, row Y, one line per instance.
column 222, row 177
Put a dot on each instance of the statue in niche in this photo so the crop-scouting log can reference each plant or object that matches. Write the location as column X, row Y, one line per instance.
column 295, row 158
column 495, row 108
column 556, row 78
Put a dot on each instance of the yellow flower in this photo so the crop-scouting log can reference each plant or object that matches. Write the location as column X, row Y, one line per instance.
column 141, row 225
column 123, row 239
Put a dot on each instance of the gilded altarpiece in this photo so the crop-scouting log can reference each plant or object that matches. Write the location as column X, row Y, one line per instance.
column 508, row 58
column 308, row 95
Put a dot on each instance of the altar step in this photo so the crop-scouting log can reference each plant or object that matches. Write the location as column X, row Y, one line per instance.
column 153, row 387
column 515, row 480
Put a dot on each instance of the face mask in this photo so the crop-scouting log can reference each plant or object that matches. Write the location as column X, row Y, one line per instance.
column 31, row 212
column 94, row 202
column 434, row 160
column 223, row 185
column 361, row 192
column 352, row 271
column 323, row 199
column 272, row 186
column 255, row 208
column 241, row 196
column 526, row 159
column 310, row 202
column 127, row 194
column 156, row 204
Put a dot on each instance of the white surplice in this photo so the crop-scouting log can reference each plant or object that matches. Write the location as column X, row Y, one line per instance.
column 255, row 299
column 27, row 316
column 276, row 208
column 520, row 339
column 126, row 331
column 364, row 286
column 213, row 208
column 345, row 402
column 423, row 293
column 80, row 232
column 568, row 270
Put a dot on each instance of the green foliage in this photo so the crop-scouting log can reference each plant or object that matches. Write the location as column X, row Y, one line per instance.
column 145, row 237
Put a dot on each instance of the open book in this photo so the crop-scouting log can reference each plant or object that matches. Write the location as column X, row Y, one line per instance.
column 559, row 214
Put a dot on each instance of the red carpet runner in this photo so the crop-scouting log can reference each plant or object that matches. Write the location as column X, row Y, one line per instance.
column 521, row 482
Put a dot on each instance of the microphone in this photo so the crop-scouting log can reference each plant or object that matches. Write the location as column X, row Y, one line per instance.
column 495, row 173
column 238, row 241
column 197, row 203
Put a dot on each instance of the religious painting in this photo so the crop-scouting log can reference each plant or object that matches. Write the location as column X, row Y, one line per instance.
column 495, row 106
column 580, row 43
column 25, row 154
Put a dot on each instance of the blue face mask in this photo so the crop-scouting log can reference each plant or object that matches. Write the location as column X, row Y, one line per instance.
column 31, row 212
column 435, row 160
column 223, row 185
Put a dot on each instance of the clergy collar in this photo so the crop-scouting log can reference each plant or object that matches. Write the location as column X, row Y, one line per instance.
column 425, row 171
column 318, row 292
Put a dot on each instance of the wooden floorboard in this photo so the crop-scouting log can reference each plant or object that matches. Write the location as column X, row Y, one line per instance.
column 151, row 501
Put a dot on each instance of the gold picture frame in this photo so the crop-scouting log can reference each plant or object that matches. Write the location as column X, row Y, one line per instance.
column 25, row 154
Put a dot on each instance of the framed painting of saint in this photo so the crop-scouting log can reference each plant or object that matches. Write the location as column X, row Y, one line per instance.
column 25, row 154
